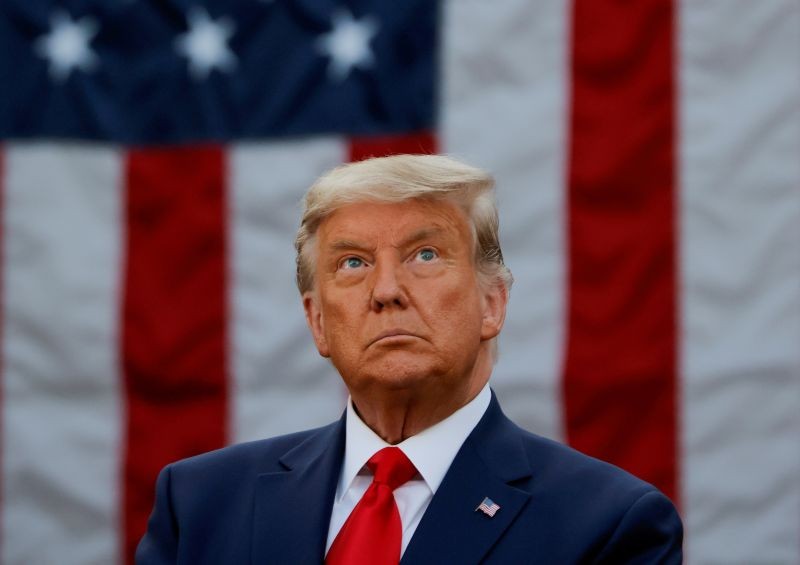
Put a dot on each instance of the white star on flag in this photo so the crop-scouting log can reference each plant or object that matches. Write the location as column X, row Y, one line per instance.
column 347, row 44
column 205, row 44
column 66, row 46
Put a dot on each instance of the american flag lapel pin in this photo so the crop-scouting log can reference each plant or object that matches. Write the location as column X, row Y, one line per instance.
column 488, row 507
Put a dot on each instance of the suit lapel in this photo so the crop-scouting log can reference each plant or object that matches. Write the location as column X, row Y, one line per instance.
column 452, row 531
column 293, row 507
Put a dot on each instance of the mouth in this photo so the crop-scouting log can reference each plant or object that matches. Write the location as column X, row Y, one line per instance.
column 393, row 335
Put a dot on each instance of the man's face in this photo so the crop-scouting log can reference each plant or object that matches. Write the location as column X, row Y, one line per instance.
column 397, row 304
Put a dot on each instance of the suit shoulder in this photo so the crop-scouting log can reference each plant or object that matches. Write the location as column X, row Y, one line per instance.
column 259, row 456
column 564, row 479
column 580, row 508
column 559, row 462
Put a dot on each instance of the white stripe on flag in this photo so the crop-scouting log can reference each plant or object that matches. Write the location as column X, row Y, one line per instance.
column 274, row 364
column 505, row 109
column 61, row 398
column 740, row 216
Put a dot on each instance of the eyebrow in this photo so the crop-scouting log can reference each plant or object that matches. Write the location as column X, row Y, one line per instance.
column 419, row 235
column 345, row 244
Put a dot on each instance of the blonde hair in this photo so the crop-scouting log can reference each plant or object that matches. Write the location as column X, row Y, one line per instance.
column 399, row 178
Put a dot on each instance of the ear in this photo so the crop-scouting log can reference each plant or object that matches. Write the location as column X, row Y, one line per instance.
column 316, row 322
column 495, row 299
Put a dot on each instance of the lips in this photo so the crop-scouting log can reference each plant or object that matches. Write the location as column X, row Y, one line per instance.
column 392, row 333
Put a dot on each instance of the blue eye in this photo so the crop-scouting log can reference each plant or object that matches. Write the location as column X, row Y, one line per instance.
column 427, row 255
column 353, row 263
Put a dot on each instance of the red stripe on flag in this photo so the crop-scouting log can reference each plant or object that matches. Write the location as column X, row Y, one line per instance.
column 174, row 334
column 379, row 146
column 619, row 382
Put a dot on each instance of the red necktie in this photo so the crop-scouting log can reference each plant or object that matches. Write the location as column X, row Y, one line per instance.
column 373, row 532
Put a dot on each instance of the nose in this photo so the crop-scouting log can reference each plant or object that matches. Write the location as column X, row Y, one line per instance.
column 387, row 288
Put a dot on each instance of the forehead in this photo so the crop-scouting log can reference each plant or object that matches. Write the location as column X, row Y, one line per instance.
column 374, row 222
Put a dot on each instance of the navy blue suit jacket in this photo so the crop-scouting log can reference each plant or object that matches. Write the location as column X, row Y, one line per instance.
column 270, row 502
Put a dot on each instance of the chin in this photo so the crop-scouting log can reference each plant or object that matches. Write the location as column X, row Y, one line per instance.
column 401, row 380
column 397, row 372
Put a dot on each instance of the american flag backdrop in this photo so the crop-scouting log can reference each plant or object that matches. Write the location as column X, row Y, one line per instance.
column 154, row 153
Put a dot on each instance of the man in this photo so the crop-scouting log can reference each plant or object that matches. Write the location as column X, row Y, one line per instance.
column 405, row 291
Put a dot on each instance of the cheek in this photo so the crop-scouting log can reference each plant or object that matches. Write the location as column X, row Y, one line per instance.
column 342, row 316
column 458, row 312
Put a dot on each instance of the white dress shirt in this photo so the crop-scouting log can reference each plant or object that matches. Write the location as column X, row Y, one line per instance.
column 431, row 451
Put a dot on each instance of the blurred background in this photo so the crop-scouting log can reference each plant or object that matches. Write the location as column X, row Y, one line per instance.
column 647, row 157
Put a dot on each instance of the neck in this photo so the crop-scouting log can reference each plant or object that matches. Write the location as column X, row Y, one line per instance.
column 396, row 415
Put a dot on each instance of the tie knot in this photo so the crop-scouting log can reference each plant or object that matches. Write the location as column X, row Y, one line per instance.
column 391, row 467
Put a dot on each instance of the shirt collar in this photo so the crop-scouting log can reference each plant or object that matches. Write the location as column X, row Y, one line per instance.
column 431, row 451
